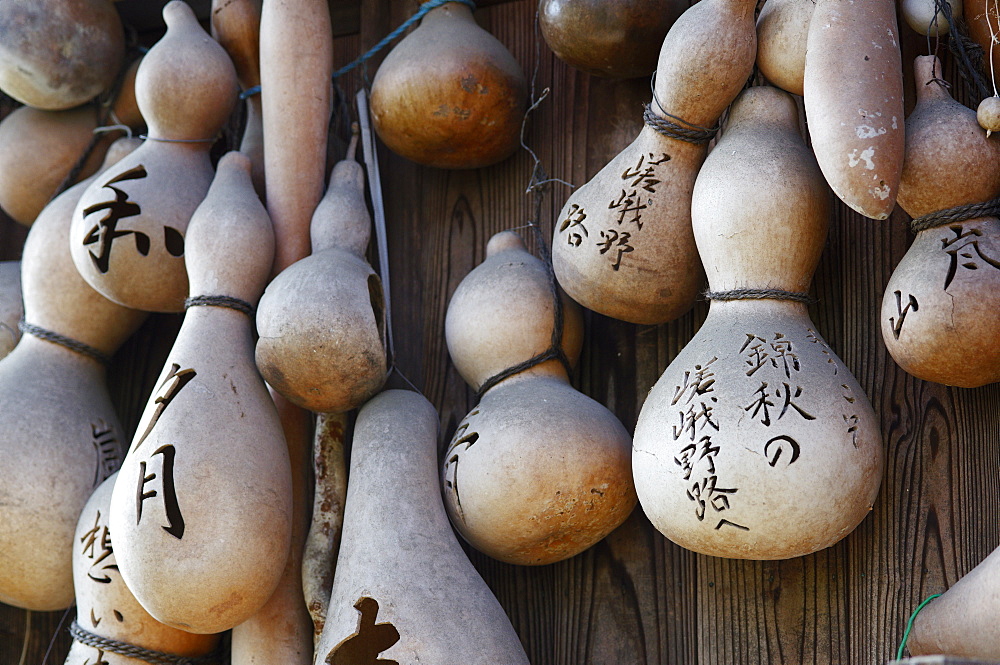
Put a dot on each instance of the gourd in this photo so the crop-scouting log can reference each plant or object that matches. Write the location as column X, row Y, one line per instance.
column 11, row 308
column 923, row 16
column 782, row 30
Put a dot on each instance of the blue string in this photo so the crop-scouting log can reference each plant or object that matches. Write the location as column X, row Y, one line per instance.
column 392, row 36
column 250, row 92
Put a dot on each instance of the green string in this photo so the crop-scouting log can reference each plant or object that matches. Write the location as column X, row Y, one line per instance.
column 909, row 624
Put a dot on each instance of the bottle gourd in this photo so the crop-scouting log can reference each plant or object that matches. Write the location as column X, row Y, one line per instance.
column 404, row 591
column 782, row 31
column 623, row 245
column 128, row 230
column 537, row 472
column 11, row 308
column 941, row 308
column 202, row 507
column 756, row 442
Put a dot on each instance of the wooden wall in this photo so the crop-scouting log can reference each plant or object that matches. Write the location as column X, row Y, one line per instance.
column 637, row 598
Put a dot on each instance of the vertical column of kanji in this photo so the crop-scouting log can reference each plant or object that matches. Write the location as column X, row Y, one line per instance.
column 61, row 434
column 202, row 509
column 127, row 237
column 757, row 442
column 941, row 309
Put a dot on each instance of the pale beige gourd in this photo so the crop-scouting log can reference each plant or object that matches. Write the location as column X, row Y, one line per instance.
column 623, row 245
column 236, row 26
column 537, row 472
column 757, row 442
column 988, row 115
column 941, row 308
column 52, row 464
column 322, row 320
column 923, row 16
column 208, row 549
column 404, row 591
column 963, row 621
column 185, row 87
column 11, row 308
column 104, row 605
column 57, row 54
column 854, row 101
column 450, row 95
column 782, row 29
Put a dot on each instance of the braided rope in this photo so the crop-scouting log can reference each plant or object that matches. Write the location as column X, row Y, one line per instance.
column 692, row 133
column 66, row 342
column 220, row 301
column 83, row 636
column 956, row 215
column 161, row 140
column 758, row 294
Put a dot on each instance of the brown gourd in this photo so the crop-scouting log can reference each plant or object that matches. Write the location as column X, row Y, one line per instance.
column 202, row 506
column 537, row 472
column 450, row 95
column 11, row 308
column 622, row 244
column 982, row 17
column 404, row 590
column 853, row 91
column 613, row 38
column 127, row 237
column 105, row 607
column 321, row 321
column 57, row 54
column 51, row 465
column 782, row 30
column 941, row 308
column 757, row 442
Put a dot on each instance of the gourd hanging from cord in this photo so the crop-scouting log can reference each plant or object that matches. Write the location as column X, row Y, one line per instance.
column 537, row 472
column 623, row 245
column 450, row 95
column 926, row 17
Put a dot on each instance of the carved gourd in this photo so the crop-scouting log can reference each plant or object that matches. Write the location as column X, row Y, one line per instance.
column 757, row 442
column 393, row 601
column 941, row 308
column 623, row 245
column 128, row 231
column 57, row 54
column 608, row 38
column 924, row 17
column 450, row 95
column 962, row 622
column 52, row 464
column 782, row 29
column 202, row 505
column 105, row 607
column 571, row 483
column 236, row 26
column 11, row 308
column 321, row 320
column 854, row 101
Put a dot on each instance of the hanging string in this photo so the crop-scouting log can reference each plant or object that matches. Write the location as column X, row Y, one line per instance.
column 685, row 131
column 395, row 34
column 909, row 624
column 956, row 215
column 63, row 341
column 84, row 636
column 968, row 54
column 52, row 640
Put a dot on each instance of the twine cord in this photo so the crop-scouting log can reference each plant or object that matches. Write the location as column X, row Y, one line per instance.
column 758, row 294
column 250, row 92
column 682, row 129
column 84, row 636
column 162, row 140
column 392, row 36
column 228, row 302
column 909, row 624
column 956, row 215
column 63, row 341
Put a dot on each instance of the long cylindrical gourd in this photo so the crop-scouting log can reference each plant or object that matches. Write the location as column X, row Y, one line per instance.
column 296, row 66
column 52, row 464
column 450, row 95
column 11, row 308
column 537, row 472
column 203, row 504
column 962, row 622
column 404, row 591
column 623, row 245
column 854, row 101
column 57, row 54
column 941, row 308
column 322, row 320
column 127, row 238
column 756, row 442
column 782, row 30
column 106, row 608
